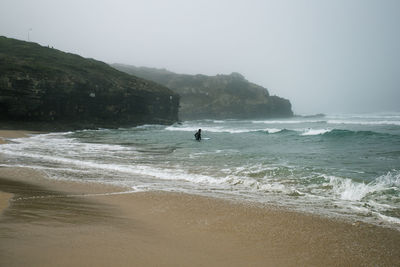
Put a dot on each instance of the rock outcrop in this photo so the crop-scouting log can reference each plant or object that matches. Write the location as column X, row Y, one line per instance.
column 216, row 97
column 44, row 85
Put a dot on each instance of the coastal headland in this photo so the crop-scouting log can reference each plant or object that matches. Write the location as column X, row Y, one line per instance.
column 43, row 88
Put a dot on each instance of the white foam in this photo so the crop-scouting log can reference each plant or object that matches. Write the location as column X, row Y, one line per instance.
column 48, row 142
column 388, row 218
column 347, row 189
column 69, row 159
column 360, row 122
column 137, row 169
column 288, row 121
column 272, row 130
column 374, row 116
column 219, row 129
column 315, row 131
column 181, row 128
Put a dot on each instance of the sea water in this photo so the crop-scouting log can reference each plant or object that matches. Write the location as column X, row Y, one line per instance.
column 344, row 166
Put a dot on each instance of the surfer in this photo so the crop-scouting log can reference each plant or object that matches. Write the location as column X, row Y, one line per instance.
column 197, row 135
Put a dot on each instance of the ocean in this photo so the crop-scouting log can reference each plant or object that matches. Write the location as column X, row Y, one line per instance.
column 341, row 166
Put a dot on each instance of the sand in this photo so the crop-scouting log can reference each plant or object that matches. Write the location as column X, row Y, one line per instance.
column 55, row 223
column 9, row 134
column 4, row 199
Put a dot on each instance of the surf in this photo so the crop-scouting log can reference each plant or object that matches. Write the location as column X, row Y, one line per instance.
column 301, row 163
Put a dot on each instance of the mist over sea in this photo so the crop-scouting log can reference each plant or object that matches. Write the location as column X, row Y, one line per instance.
column 345, row 166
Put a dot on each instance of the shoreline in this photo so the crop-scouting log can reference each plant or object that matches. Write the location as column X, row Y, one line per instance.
column 5, row 135
column 69, row 223
column 51, row 222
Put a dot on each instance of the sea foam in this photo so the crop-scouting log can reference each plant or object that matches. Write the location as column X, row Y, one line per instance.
column 348, row 189
column 315, row 131
column 218, row 129
column 359, row 122
column 302, row 165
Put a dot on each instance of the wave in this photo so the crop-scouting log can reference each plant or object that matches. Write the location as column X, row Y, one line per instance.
column 78, row 166
column 319, row 115
column 335, row 132
column 375, row 116
column 316, row 131
column 258, row 179
column 224, row 130
column 288, row 121
column 343, row 133
column 208, row 129
column 332, row 121
column 359, row 122
column 342, row 188
column 347, row 189
column 303, row 132
column 349, row 133
column 273, row 130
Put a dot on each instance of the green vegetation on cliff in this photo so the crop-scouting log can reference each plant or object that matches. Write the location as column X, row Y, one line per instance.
column 41, row 84
column 216, row 97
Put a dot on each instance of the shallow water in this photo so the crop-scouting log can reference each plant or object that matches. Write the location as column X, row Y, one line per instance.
column 336, row 165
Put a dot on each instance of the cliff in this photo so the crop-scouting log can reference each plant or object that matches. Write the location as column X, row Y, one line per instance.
column 216, row 97
column 61, row 90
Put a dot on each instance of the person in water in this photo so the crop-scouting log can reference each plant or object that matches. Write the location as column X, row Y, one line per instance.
column 197, row 135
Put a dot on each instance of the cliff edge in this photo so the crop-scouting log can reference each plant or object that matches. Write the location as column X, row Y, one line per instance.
column 44, row 86
column 216, row 97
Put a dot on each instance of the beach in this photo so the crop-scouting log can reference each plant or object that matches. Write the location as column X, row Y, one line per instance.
column 63, row 223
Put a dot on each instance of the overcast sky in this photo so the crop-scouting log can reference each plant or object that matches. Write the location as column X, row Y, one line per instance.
column 325, row 56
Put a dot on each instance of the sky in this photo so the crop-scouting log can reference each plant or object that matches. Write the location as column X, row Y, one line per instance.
column 336, row 56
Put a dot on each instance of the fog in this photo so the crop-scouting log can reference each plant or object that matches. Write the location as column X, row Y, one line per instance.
column 325, row 56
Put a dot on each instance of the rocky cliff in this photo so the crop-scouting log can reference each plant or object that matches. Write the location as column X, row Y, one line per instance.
column 44, row 85
column 216, row 97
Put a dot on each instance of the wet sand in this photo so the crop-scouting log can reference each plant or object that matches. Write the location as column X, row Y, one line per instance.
column 4, row 136
column 8, row 134
column 47, row 225
column 56, row 223
column 4, row 200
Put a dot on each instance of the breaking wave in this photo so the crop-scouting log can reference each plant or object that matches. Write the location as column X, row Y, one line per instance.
column 360, row 122
column 304, row 163
column 347, row 189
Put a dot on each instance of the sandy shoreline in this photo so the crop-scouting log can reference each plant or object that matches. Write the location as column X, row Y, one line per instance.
column 56, row 223
column 4, row 200
column 9, row 134
column 4, row 136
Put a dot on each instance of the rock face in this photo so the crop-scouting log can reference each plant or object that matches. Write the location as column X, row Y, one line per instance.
column 41, row 84
column 216, row 97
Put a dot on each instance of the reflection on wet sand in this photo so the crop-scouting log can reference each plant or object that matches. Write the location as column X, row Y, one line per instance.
column 36, row 205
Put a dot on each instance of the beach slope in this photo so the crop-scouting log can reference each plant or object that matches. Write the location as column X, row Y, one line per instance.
column 69, row 224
